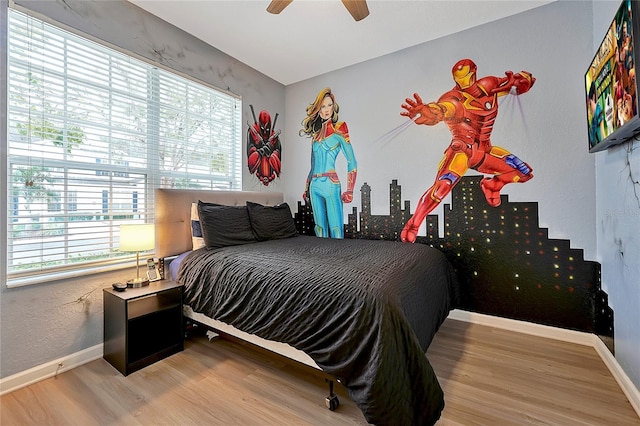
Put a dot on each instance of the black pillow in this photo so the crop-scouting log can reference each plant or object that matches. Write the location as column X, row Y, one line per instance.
column 271, row 222
column 225, row 225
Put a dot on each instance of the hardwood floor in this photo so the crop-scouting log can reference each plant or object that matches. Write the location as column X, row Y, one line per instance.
column 489, row 376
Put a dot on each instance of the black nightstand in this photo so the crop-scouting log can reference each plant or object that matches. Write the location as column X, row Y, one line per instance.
column 142, row 325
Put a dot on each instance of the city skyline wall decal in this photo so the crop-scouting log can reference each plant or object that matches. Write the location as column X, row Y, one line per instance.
column 506, row 263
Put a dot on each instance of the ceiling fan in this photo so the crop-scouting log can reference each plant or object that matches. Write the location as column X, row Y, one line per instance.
column 357, row 8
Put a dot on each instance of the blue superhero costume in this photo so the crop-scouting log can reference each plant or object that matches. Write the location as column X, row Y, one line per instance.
column 323, row 185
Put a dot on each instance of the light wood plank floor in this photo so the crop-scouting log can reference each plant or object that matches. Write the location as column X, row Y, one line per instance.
column 489, row 376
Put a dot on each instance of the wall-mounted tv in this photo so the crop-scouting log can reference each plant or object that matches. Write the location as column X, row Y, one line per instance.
column 610, row 81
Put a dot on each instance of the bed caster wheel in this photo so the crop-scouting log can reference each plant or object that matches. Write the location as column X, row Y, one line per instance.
column 332, row 402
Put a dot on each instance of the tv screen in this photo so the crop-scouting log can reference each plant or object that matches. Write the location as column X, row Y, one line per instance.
column 610, row 81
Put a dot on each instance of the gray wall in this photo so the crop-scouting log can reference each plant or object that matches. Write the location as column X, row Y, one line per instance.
column 40, row 323
column 618, row 226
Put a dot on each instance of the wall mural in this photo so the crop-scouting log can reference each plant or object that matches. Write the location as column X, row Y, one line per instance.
column 469, row 110
column 264, row 151
column 507, row 265
column 329, row 137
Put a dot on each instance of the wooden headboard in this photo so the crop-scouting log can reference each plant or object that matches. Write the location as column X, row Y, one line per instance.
column 173, row 213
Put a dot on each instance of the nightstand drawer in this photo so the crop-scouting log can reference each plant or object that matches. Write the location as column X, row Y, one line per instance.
column 153, row 303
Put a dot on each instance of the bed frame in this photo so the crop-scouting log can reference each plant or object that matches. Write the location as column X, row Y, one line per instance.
column 173, row 237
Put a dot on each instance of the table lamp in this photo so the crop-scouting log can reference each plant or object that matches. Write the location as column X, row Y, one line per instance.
column 137, row 237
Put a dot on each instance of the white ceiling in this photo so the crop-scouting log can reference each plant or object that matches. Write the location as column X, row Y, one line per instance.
column 312, row 37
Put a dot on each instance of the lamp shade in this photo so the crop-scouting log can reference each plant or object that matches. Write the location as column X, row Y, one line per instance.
column 137, row 237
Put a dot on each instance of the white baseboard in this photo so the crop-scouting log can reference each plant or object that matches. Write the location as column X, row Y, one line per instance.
column 525, row 327
column 49, row 369
column 629, row 389
column 577, row 337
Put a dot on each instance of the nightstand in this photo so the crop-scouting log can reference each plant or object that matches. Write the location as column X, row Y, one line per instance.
column 142, row 325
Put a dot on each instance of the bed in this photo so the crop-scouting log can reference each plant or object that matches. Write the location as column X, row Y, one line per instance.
column 362, row 311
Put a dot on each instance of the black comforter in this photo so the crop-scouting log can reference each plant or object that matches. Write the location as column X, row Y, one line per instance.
column 365, row 311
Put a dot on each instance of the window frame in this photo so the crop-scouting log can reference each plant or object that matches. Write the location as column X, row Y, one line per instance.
column 153, row 176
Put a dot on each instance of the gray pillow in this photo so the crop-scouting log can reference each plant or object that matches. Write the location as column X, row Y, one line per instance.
column 271, row 222
column 225, row 225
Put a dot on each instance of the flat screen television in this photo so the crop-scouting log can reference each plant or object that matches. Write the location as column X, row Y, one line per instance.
column 610, row 82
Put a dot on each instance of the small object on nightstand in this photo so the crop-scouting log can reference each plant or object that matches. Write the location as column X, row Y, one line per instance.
column 119, row 286
column 152, row 272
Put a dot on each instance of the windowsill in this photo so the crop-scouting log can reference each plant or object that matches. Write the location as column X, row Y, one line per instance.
column 55, row 277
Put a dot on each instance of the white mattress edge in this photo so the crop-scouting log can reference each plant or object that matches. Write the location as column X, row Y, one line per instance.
column 280, row 348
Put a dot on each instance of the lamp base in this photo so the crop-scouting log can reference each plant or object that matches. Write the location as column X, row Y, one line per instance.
column 137, row 282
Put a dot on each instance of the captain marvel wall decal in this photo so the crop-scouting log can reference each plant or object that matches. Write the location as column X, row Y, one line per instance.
column 469, row 110
column 328, row 137
column 264, row 151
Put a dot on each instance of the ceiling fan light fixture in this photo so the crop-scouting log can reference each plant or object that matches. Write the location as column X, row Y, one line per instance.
column 357, row 8
column 277, row 6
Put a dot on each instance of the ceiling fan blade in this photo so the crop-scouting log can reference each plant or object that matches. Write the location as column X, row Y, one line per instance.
column 357, row 8
column 277, row 6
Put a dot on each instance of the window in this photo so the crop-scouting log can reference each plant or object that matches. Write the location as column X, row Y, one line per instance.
column 91, row 134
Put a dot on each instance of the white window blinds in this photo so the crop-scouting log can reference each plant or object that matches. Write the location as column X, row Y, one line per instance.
column 91, row 133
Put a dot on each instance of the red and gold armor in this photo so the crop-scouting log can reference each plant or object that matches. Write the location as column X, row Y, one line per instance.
column 469, row 110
